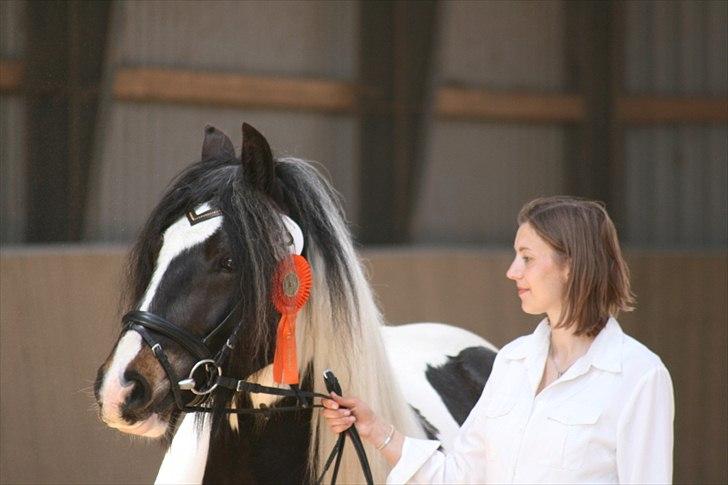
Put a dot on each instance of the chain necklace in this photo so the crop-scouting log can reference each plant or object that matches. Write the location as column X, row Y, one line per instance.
column 559, row 373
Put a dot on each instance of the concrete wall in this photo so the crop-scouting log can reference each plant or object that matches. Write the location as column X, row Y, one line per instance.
column 59, row 318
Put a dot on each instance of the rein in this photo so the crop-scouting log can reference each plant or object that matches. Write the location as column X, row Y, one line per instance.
column 147, row 324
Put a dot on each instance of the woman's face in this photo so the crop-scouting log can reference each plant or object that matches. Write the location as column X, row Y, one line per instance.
column 539, row 275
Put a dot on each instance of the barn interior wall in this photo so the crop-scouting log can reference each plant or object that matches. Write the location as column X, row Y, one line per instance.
column 145, row 145
column 59, row 318
column 676, row 182
column 476, row 174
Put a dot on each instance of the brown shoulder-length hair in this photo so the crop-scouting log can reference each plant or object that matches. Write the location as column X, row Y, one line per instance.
column 584, row 238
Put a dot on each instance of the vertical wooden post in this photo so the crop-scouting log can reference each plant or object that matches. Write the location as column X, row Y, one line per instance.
column 64, row 65
column 397, row 41
column 592, row 169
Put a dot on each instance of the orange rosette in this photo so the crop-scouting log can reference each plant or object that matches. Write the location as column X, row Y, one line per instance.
column 291, row 289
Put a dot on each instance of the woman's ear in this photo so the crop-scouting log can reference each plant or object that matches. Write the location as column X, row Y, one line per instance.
column 566, row 270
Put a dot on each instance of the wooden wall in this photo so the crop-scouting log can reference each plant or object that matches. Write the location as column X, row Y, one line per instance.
column 58, row 320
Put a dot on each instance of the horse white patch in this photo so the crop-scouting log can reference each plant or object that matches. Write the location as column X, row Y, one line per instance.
column 114, row 389
column 427, row 344
column 264, row 377
column 186, row 458
column 178, row 237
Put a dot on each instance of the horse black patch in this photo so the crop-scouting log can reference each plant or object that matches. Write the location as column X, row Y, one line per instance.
column 460, row 381
column 428, row 427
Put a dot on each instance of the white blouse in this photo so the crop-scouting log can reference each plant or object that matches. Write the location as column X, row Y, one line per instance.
column 608, row 419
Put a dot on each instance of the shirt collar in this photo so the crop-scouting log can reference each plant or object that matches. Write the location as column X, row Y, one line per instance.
column 604, row 353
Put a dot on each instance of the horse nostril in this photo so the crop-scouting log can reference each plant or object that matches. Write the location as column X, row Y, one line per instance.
column 141, row 392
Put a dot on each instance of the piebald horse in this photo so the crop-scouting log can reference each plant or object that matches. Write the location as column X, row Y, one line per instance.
column 205, row 260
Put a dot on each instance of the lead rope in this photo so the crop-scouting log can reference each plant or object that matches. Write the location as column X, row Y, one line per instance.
column 332, row 385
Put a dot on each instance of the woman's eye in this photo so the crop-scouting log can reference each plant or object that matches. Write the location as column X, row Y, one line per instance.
column 227, row 264
column 526, row 259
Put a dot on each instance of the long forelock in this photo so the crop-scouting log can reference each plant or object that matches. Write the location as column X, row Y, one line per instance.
column 208, row 181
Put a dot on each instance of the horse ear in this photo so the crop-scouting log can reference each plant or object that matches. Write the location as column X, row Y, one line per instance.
column 217, row 145
column 257, row 160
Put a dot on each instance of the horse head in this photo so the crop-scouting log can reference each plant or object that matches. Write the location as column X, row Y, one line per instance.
column 203, row 263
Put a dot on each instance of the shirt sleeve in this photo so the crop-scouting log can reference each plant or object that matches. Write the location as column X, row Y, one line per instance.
column 645, row 431
column 422, row 462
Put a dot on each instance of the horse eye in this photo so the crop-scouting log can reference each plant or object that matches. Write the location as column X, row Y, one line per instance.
column 227, row 264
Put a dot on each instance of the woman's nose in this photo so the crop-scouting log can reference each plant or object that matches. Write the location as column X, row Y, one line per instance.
column 513, row 273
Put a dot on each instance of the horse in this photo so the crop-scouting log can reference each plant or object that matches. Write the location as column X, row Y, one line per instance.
column 205, row 260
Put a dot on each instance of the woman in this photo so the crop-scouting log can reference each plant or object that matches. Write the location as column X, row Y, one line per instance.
column 577, row 401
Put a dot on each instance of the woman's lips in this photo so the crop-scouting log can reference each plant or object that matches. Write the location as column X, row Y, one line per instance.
column 521, row 291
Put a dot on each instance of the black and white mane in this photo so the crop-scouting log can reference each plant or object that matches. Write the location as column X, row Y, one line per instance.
column 196, row 277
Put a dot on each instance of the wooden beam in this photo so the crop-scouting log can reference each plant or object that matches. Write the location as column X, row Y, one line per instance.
column 451, row 102
column 656, row 110
column 12, row 73
column 484, row 105
column 233, row 90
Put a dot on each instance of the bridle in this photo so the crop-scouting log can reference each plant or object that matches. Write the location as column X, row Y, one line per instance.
column 206, row 376
column 147, row 324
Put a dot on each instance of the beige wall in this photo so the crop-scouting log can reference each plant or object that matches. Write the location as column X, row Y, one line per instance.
column 58, row 320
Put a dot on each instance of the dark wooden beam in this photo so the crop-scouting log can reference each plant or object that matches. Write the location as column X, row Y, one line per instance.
column 670, row 110
column 483, row 105
column 62, row 73
column 397, row 40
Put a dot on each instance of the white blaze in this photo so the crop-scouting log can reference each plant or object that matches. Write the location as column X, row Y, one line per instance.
column 179, row 237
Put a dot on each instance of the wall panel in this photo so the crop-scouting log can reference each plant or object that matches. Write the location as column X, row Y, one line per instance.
column 676, row 182
column 144, row 145
column 147, row 145
column 477, row 177
column 503, row 45
column 316, row 38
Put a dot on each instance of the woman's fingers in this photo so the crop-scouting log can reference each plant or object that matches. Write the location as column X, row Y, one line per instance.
column 329, row 403
column 349, row 402
column 335, row 413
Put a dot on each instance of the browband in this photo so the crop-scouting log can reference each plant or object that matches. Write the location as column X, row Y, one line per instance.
column 295, row 244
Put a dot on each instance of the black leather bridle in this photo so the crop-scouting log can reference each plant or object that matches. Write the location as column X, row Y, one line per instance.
column 148, row 324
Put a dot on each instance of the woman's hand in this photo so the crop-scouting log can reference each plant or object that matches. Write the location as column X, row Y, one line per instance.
column 341, row 413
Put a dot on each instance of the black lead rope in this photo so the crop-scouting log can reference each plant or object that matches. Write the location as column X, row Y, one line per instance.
column 332, row 385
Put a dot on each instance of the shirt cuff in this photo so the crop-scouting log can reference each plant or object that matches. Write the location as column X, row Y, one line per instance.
column 415, row 453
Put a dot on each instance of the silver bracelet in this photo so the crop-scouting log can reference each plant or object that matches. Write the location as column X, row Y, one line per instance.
column 388, row 438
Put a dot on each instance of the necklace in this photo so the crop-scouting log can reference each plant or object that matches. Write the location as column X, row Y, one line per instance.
column 559, row 373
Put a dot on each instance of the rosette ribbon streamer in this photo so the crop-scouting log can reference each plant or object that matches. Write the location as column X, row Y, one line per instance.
column 292, row 287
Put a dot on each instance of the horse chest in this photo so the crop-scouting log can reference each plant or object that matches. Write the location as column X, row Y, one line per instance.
column 274, row 452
